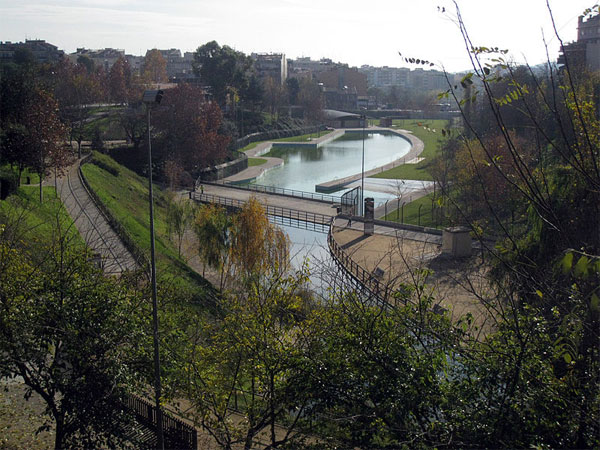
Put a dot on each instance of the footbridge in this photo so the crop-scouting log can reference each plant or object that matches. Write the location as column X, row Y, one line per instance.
column 295, row 205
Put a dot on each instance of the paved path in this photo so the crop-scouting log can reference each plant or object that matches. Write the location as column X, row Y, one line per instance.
column 92, row 225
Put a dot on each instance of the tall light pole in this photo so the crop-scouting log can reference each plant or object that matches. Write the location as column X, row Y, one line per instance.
column 362, row 177
column 150, row 98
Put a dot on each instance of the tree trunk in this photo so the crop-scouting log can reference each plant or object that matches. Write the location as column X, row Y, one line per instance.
column 41, row 191
column 59, row 435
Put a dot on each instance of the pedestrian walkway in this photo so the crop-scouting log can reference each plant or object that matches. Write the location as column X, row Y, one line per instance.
column 93, row 226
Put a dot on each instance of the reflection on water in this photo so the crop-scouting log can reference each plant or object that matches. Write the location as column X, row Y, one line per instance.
column 306, row 167
column 311, row 247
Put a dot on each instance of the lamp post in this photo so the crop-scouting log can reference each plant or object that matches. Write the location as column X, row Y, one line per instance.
column 362, row 176
column 150, row 98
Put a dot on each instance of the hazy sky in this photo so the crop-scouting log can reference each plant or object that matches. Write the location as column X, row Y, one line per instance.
column 351, row 31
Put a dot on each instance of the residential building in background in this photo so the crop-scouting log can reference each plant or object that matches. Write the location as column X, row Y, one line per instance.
column 42, row 51
column 306, row 67
column 179, row 67
column 271, row 65
column 104, row 58
column 417, row 79
column 586, row 50
column 344, row 88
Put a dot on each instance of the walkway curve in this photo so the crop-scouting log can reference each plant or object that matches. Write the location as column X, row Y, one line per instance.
column 92, row 225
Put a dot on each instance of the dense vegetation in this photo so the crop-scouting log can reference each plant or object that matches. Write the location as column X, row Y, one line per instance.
column 277, row 364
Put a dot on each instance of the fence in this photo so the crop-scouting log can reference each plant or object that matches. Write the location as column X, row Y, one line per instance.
column 368, row 280
column 114, row 223
column 288, row 213
column 176, row 433
column 350, row 202
column 325, row 198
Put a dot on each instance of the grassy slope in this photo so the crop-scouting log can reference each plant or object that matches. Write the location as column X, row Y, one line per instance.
column 126, row 196
column 38, row 223
column 430, row 139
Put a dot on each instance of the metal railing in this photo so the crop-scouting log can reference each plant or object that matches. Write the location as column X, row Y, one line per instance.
column 137, row 253
column 311, row 226
column 315, row 196
column 366, row 279
column 177, row 433
column 269, row 209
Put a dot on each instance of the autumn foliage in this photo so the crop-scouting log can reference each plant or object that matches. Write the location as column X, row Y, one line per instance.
column 187, row 129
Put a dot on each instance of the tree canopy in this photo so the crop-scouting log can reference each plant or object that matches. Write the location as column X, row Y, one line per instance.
column 221, row 68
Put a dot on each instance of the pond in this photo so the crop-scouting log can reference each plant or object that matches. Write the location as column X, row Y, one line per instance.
column 305, row 167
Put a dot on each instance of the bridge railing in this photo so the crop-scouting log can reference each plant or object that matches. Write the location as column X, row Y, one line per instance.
column 269, row 209
column 315, row 196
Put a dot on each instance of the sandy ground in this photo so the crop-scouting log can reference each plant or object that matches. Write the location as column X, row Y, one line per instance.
column 451, row 281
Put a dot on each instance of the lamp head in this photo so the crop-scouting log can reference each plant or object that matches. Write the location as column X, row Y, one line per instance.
column 153, row 96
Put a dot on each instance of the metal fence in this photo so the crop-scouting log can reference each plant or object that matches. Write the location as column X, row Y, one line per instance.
column 177, row 433
column 368, row 280
column 325, row 198
column 288, row 213
column 349, row 202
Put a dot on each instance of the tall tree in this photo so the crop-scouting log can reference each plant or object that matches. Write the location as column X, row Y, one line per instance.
column 119, row 81
column 257, row 246
column 292, row 86
column 188, row 129
column 73, row 336
column 76, row 90
column 274, row 96
column 222, row 67
column 154, row 69
column 180, row 213
column 212, row 228
column 311, row 99
column 45, row 139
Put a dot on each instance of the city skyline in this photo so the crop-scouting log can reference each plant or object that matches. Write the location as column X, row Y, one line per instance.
column 337, row 30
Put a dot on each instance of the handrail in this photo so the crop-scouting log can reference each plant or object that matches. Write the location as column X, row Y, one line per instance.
column 126, row 239
column 269, row 209
column 178, row 434
column 315, row 196
column 380, row 290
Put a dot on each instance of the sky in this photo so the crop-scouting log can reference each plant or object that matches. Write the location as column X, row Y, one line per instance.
column 350, row 31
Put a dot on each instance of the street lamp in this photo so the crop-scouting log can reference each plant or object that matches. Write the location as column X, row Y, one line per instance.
column 362, row 177
column 151, row 98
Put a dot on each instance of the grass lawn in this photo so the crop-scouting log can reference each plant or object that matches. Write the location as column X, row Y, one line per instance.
column 256, row 162
column 411, row 213
column 126, row 196
column 37, row 222
column 250, row 146
column 430, row 139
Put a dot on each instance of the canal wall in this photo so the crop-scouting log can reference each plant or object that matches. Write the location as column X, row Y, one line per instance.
column 227, row 169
